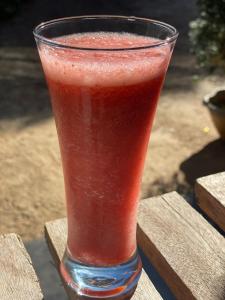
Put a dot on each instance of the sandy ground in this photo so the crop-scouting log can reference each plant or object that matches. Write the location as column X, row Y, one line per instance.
column 184, row 144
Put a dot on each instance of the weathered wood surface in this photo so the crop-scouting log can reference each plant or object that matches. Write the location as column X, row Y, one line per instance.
column 56, row 235
column 210, row 193
column 185, row 249
column 18, row 280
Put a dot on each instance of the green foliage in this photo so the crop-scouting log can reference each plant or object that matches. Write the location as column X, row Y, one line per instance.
column 207, row 33
column 8, row 8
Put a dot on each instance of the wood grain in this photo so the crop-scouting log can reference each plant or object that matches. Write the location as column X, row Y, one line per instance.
column 185, row 249
column 56, row 235
column 18, row 280
column 210, row 193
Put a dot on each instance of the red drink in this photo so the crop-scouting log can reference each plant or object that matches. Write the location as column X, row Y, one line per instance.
column 104, row 87
column 104, row 103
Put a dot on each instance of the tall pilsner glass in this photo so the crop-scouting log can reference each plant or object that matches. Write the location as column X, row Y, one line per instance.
column 104, row 75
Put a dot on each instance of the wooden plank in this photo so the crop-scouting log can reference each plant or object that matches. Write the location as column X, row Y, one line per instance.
column 56, row 236
column 185, row 249
column 17, row 276
column 210, row 193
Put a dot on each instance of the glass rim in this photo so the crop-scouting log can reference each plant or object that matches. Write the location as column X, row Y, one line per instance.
column 50, row 42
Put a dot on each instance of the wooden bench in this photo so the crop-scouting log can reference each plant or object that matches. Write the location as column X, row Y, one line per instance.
column 186, row 250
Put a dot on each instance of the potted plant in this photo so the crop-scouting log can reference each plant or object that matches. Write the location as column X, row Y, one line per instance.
column 215, row 103
column 207, row 34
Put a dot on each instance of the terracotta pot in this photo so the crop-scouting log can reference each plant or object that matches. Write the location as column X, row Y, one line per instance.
column 216, row 105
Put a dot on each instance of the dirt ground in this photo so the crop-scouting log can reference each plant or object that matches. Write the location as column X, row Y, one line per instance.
column 184, row 144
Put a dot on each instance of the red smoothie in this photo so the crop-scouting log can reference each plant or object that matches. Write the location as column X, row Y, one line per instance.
column 104, row 103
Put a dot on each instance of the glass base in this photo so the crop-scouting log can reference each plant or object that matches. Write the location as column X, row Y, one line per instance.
column 101, row 282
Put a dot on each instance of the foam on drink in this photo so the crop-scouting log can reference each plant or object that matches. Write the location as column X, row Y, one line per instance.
column 108, row 68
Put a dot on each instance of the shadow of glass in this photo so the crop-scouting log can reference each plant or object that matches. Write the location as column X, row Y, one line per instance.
column 156, row 279
column 209, row 160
